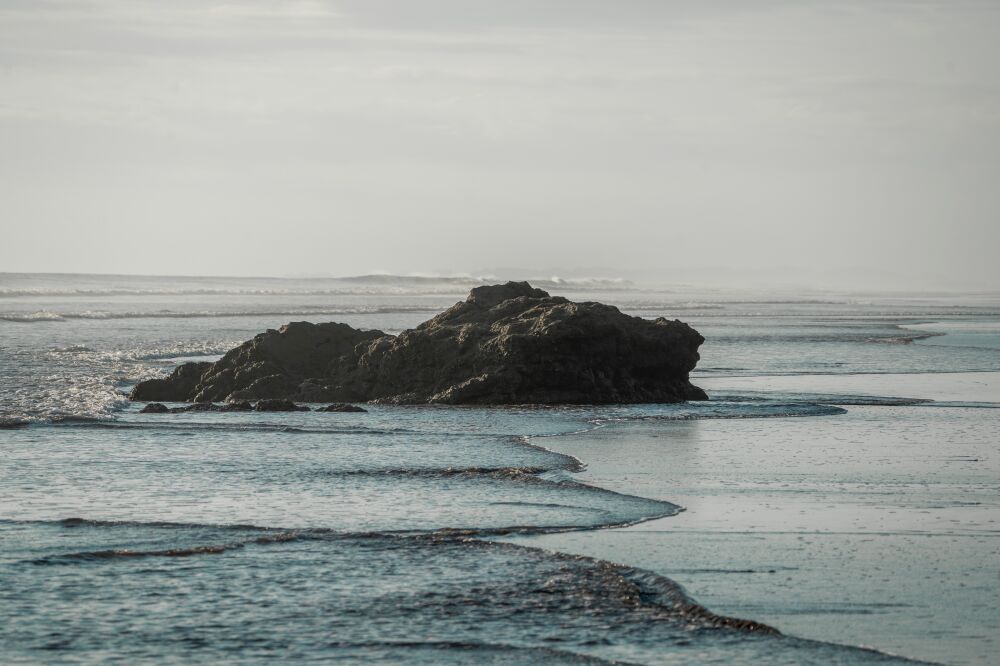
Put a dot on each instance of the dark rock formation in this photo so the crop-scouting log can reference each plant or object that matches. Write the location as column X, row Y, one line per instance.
column 199, row 407
column 13, row 424
column 505, row 344
column 237, row 406
column 160, row 408
column 341, row 407
column 279, row 405
column 182, row 381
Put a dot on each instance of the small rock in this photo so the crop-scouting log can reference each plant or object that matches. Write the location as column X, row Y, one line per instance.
column 279, row 405
column 155, row 408
column 341, row 407
column 202, row 407
column 11, row 424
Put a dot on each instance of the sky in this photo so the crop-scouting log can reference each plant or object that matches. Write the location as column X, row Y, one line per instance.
column 755, row 142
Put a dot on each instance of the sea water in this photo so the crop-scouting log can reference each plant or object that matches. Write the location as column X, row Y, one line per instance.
column 412, row 533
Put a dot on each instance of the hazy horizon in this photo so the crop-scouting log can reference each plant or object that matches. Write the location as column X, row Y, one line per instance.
column 13, row 283
column 847, row 146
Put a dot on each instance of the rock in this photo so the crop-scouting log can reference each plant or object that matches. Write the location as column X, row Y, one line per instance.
column 159, row 408
column 505, row 344
column 279, row 405
column 312, row 391
column 237, row 406
column 200, row 407
column 341, row 407
column 238, row 397
column 174, row 388
column 13, row 424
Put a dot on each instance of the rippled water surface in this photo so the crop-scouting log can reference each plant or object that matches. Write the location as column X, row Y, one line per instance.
column 376, row 537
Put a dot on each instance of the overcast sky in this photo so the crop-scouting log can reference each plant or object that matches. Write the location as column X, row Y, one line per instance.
column 817, row 142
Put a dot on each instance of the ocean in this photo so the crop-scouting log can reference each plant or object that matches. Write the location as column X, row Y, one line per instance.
column 836, row 501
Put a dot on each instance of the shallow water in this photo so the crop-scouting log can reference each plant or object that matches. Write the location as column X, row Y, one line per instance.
column 879, row 527
column 320, row 596
column 373, row 537
column 339, row 535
